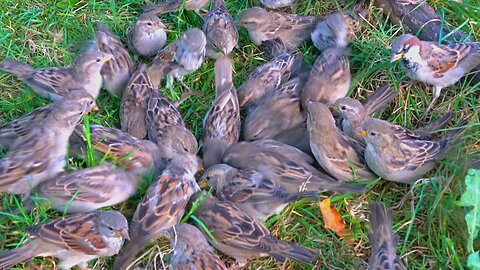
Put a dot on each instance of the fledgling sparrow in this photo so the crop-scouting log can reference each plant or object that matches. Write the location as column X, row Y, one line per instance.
column 191, row 250
column 221, row 126
column 354, row 113
column 116, row 72
column 267, row 78
column 277, row 111
column 117, row 147
column 134, row 105
column 250, row 191
column 22, row 125
column 169, row 6
column 220, row 30
column 242, row 237
column 335, row 31
column 41, row 153
column 399, row 158
column 435, row 64
column 180, row 58
column 162, row 206
column 339, row 155
column 329, row 78
column 274, row 4
column 147, row 36
column 288, row 170
column 262, row 25
column 56, row 82
column 74, row 239
column 88, row 189
column 383, row 240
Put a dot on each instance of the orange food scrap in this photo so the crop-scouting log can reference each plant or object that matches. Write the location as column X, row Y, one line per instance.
column 332, row 219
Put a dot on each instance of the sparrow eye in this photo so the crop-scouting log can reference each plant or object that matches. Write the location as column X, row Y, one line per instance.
column 110, row 228
column 98, row 60
column 208, row 178
column 149, row 23
column 343, row 108
column 373, row 133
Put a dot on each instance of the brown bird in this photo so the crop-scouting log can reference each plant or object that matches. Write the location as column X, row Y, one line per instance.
column 56, row 82
column 87, row 190
column 74, row 239
column 290, row 170
column 147, row 35
column 383, row 240
column 435, row 64
column 405, row 159
column 221, row 126
column 243, row 237
column 329, row 78
column 134, row 105
column 191, row 250
column 116, row 72
column 267, row 78
column 249, row 190
column 41, row 153
column 162, row 207
column 276, row 112
column 262, row 25
column 338, row 154
column 120, row 148
column 220, row 30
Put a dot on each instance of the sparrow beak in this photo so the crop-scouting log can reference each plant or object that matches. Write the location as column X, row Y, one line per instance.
column 333, row 108
column 95, row 107
column 396, row 57
column 123, row 233
column 203, row 184
column 362, row 133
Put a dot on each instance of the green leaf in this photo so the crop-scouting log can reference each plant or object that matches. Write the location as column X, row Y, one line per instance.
column 473, row 261
column 471, row 198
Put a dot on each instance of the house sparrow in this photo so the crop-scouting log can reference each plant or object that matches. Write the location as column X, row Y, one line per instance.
column 354, row 113
column 242, row 237
column 339, row 155
column 174, row 5
column 262, row 25
column 335, row 31
column 41, row 153
column 267, row 78
column 250, row 191
column 221, row 126
column 329, row 78
column 147, row 35
column 277, row 111
column 167, row 129
column 399, row 158
column 120, row 148
column 191, row 250
column 116, row 72
column 285, row 168
column 384, row 242
column 74, row 239
column 180, row 58
column 88, row 189
column 274, row 4
column 162, row 206
column 134, row 105
column 54, row 83
column 220, row 30
column 22, row 125
column 435, row 64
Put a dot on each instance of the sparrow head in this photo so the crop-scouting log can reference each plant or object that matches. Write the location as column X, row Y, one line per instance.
column 194, row 39
column 113, row 224
column 253, row 17
column 377, row 133
column 349, row 108
column 402, row 45
column 149, row 22
column 92, row 61
column 216, row 175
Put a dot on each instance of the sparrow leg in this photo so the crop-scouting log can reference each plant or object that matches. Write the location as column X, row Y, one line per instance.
column 186, row 95
column 436, row 94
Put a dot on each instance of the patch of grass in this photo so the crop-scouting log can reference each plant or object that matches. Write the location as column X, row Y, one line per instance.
column 430, row 227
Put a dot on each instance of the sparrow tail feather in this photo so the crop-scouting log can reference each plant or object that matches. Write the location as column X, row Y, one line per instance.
column 19, row 255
